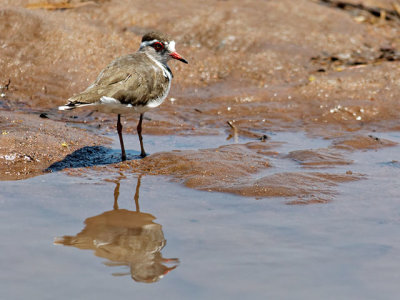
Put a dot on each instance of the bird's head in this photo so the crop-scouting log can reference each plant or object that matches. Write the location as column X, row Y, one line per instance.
column 160, row 46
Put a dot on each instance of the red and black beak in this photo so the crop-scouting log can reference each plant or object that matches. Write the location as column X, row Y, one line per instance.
column 177, row 56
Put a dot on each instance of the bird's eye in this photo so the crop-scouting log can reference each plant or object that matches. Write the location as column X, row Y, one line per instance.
column 158, row 46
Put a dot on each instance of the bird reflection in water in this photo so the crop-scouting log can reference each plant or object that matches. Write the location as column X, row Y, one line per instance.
column 125, row 238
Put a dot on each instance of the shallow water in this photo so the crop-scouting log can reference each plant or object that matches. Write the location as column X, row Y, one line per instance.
column 227, row 246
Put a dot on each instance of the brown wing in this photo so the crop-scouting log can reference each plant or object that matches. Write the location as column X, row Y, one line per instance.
column 131, row 79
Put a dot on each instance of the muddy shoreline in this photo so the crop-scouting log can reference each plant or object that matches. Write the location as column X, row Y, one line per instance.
column 305, row 66
column 30, row 144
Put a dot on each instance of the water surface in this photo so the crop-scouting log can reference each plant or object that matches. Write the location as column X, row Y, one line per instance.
column 218, row 245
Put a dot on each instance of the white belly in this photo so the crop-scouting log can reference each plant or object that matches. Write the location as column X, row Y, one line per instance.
column 119, row 108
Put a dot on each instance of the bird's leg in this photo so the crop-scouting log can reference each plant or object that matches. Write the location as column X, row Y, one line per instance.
column 121, row 141
column 139, row 131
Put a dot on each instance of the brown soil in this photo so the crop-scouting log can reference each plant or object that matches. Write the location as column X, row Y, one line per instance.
column 266, row 65
column 29, row 144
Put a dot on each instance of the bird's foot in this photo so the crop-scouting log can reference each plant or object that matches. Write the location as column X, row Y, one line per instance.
column 143, row 154
column 123, row 157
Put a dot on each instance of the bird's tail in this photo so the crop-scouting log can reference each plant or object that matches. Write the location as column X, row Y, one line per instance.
column 66, row 107
column 72, row 105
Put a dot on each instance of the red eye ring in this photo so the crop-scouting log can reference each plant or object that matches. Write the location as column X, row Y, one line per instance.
column 158, row 46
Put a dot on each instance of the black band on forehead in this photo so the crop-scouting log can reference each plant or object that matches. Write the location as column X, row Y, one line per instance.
column 155, row 35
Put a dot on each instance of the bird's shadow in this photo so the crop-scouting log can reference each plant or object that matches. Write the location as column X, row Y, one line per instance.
column 90, row 156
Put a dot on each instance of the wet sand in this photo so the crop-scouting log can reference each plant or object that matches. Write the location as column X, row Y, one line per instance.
column 281, row 101
column 30, row 144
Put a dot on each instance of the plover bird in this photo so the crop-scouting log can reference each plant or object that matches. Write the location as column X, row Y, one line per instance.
column 133, row 83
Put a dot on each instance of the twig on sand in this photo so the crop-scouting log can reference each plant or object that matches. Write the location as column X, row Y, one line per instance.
column 235, row 131
column 263, row 138
column 230, row 123
column 55, row 6
column 8, row 84
column 243, row 132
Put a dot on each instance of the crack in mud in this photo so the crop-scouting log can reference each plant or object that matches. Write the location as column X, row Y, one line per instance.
column 340, row 61
column 379, row 12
